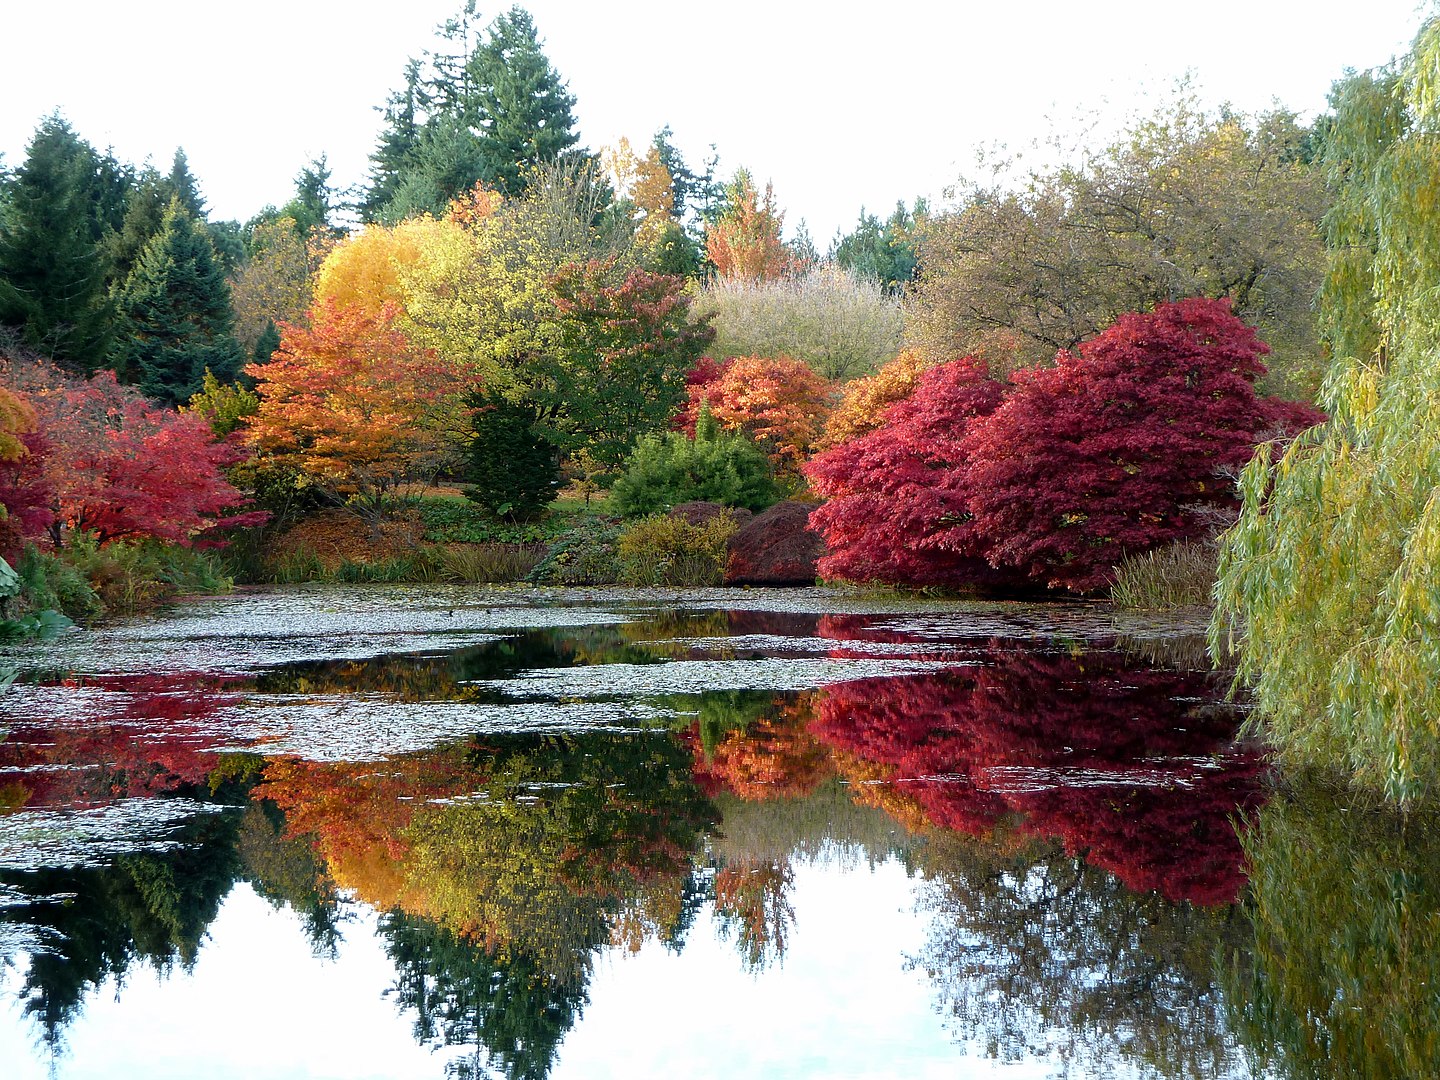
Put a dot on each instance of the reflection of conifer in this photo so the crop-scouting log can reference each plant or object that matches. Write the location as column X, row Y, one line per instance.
column 508, row 1010
column 150, row 907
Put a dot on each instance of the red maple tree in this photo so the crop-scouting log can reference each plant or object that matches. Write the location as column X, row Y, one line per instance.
column 897, row 508
column 116, row 466
column 1129, row 443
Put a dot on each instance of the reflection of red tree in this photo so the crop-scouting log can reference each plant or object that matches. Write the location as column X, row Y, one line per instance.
column 1133, row 768
column 138, row 736
column 772, row 758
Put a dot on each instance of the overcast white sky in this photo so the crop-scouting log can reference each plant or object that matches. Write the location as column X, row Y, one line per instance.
column 841, row 104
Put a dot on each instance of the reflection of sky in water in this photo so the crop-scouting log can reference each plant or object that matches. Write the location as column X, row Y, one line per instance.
column 841, row 1005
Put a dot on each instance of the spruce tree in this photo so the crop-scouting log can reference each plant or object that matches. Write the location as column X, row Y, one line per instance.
column 52, row 273
column 525, row 109
column 182, row 186
column 175, row 316
column 399, row 138
column 144, row 211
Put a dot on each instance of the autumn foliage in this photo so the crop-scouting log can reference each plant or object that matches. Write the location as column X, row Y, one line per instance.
column 1131, row 442
column 864, row 402
column 779, row 402
column 745, row 242
column 1131, row 767
column 108, row 462
column 898, row 502
column 345, row 401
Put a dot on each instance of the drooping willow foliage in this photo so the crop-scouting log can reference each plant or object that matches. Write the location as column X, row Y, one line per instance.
column 1329, row 585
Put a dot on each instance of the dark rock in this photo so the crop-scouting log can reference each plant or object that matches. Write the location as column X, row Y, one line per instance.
column 776, row 548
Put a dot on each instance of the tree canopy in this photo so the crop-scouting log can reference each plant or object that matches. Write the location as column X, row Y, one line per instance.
column 1183, row 204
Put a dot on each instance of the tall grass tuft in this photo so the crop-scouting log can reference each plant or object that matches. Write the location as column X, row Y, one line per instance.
column 1178, row 576
column 485, row 563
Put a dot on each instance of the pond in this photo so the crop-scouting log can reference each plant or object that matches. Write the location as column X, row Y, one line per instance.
column 428, row 832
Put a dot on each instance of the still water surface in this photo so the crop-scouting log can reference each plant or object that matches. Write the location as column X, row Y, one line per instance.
column 427, row 832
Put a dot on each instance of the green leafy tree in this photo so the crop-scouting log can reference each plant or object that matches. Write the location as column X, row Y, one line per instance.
column 1327, row 581
column 883, row 251
column 52, row 275
column 174, row 313
column 625, row 344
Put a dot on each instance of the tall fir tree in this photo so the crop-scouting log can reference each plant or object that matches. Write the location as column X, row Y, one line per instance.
column 57, row 211
column 470, row 111
column 399, row 139
column 183, row 187
column 525, row 108
column 314, row 200
column 144, row 211
column 175, row 319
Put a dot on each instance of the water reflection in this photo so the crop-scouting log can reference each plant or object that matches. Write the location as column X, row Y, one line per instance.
column 1340, row 978
column 1066, row 809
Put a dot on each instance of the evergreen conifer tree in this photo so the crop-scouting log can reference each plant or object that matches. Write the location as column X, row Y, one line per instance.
column 514, row 470
column 525, row 109
column 267, row 343
column 175, row 316
column 52, row 275
column 182, row 186
column 144, row 211
column 399, row 140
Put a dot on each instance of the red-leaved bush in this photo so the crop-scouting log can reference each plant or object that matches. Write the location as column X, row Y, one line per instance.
column 1129, row 443
column 898, row 502
column 110, row 463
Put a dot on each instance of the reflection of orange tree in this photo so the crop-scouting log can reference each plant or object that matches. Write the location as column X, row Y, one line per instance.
column 356, row 813
column 773, row 757
column 1132, row 767
column 142, row 735
column 752, row 900
column 534, row 845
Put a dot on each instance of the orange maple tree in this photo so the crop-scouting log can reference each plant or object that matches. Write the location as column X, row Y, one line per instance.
column 779, row 402
column 865, row 401
column 347, row 402
column 745, row 241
